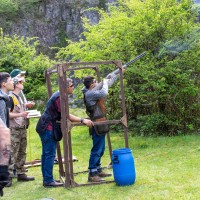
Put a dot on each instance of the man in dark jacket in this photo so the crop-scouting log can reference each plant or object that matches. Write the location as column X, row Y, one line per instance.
column 45, row 128
column 6, row 85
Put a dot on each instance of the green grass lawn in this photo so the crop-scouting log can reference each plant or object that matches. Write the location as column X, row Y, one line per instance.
column 166, row 168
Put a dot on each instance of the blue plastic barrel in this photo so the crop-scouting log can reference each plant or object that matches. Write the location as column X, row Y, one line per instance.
column 123, row 167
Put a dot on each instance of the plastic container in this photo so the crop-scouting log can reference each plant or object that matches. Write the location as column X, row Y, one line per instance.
column 123, row 167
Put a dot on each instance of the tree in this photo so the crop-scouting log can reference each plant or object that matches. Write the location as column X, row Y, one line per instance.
column 158, row 87
column 19, row 52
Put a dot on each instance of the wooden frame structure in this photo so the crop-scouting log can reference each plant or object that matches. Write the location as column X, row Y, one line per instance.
column 66, row 173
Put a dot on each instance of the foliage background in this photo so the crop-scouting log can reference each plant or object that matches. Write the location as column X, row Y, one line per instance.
column 162, row 89
column 20, row 53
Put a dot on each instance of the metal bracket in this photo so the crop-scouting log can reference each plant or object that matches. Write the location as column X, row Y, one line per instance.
column 118, row 64
column 124, row 121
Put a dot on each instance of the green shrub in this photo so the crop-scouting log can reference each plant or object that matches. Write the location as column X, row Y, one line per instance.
column 162, row 89
column 18, row 52
column 8, row 7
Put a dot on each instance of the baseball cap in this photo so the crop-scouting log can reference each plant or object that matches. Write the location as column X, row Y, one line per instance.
column 16, row 72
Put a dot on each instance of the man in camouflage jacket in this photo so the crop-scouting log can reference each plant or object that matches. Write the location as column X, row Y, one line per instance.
column 18, row 129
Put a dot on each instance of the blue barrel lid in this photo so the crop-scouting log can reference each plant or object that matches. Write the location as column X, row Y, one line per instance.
column 121, row 151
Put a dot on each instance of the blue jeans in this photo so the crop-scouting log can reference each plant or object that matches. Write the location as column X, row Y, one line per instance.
column 48, row 155
column 97, row 151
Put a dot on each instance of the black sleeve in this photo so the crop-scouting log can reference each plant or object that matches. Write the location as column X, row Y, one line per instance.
column 10, row 104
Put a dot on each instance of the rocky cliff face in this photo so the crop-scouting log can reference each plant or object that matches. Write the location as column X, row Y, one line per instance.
column 54, row 20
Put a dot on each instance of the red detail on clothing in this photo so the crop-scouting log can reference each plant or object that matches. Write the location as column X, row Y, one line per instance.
column 57, row 102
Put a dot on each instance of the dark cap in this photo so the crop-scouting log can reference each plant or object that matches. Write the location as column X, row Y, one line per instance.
column 16, row 72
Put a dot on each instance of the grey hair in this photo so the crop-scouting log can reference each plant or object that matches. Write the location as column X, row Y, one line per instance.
column 69, row 80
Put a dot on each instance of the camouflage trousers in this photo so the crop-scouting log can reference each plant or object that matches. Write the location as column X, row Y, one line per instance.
column 18, row 150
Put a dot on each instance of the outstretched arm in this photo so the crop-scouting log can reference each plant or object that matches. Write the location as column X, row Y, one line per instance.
column 112, row 77
column 74, row 118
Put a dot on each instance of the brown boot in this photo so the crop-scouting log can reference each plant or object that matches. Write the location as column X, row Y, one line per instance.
column 103, row 174
column 24, row 177
column 94, row 178
column 53, row 184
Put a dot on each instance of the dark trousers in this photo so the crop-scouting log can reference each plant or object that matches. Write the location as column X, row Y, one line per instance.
column 48, row 155
column 97, row 151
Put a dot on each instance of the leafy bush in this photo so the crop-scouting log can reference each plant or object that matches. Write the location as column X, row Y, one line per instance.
column 155, row 124
column 18, row 52
column 12, row 7
column 8, row 7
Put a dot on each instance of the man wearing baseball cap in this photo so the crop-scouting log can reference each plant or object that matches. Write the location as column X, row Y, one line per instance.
column 18, row 125
column 21, row 74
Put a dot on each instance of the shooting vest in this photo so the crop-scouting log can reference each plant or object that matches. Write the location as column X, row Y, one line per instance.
column 51, row 115
column 17, row 122
column 97, row 113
